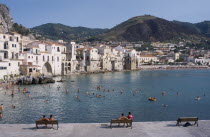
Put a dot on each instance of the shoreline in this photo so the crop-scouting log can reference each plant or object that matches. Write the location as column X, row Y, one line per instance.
column 146, row 67
column 142, row 68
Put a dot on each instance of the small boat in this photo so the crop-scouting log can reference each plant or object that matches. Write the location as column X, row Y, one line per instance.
column 152, row 99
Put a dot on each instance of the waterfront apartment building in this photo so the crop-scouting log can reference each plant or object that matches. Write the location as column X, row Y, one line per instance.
column 44, row 57
column 10, row 47
column 20, row 55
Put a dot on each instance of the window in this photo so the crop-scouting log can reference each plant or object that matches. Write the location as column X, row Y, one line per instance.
column 29, row 57
column 3, row 67
column 9, row 64
column 30, row 70
column 17, row 39
column 57, row 58
column 58, row 49
column 52, row 58
column 4, row 36
column 10, row 38
column 43, row 58
column 48, row 58
column 18, row 63
column 36, row 58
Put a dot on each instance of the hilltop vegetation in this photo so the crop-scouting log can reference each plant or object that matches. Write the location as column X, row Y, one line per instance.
column 150, row 28
column 67, row 33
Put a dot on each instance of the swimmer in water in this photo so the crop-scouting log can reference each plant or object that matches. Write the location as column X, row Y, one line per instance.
column 2, row 107
column 47, row 101
column 67, row 91
column 78, row 90
column 13, row 106
column 164, row 105
column 58, row 87
column 24, row 90
column 163, row 93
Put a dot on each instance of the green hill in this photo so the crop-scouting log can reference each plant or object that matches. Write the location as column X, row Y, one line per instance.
column 67, row 33
column 150, row 28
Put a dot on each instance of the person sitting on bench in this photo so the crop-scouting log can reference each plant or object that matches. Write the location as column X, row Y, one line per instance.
column 123, row 117
column 44, row 119
column 51, row 117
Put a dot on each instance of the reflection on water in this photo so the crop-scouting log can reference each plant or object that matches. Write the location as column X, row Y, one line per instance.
column 181, row 87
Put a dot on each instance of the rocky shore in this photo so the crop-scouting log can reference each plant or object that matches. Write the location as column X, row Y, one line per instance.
column 34, row 80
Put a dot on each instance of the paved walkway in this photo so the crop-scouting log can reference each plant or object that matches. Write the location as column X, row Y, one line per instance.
column 140, row 129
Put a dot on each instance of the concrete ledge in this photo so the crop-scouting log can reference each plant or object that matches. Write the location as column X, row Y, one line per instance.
column 140, row 129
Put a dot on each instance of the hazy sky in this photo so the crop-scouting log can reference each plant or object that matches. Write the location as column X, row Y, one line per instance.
column 104, row 13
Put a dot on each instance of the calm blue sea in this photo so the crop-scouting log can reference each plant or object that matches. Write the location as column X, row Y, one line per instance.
column 181, row 88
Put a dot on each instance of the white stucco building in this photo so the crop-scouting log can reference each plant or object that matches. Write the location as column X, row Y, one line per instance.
column 19, row 55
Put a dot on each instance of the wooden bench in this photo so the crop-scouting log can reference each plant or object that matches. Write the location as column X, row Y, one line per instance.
column 187, row 119
column 40, row 122
column 127, row 121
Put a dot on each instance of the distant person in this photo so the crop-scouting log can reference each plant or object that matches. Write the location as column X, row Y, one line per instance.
column 51, row 117
column 13, row 106
column 130, row 116
column 24, row 90
column 2, row 107
column 122, row 117
column 44, row 118
column 58, row 87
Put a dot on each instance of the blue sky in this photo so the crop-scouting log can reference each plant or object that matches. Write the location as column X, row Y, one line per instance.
column 104, row 13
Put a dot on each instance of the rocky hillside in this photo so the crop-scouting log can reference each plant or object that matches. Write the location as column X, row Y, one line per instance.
column 67, row 33
column 150, row 28
column 6, row 21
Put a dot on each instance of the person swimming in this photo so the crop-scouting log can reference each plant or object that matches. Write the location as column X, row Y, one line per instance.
column 2, row 107
column 24, row 90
